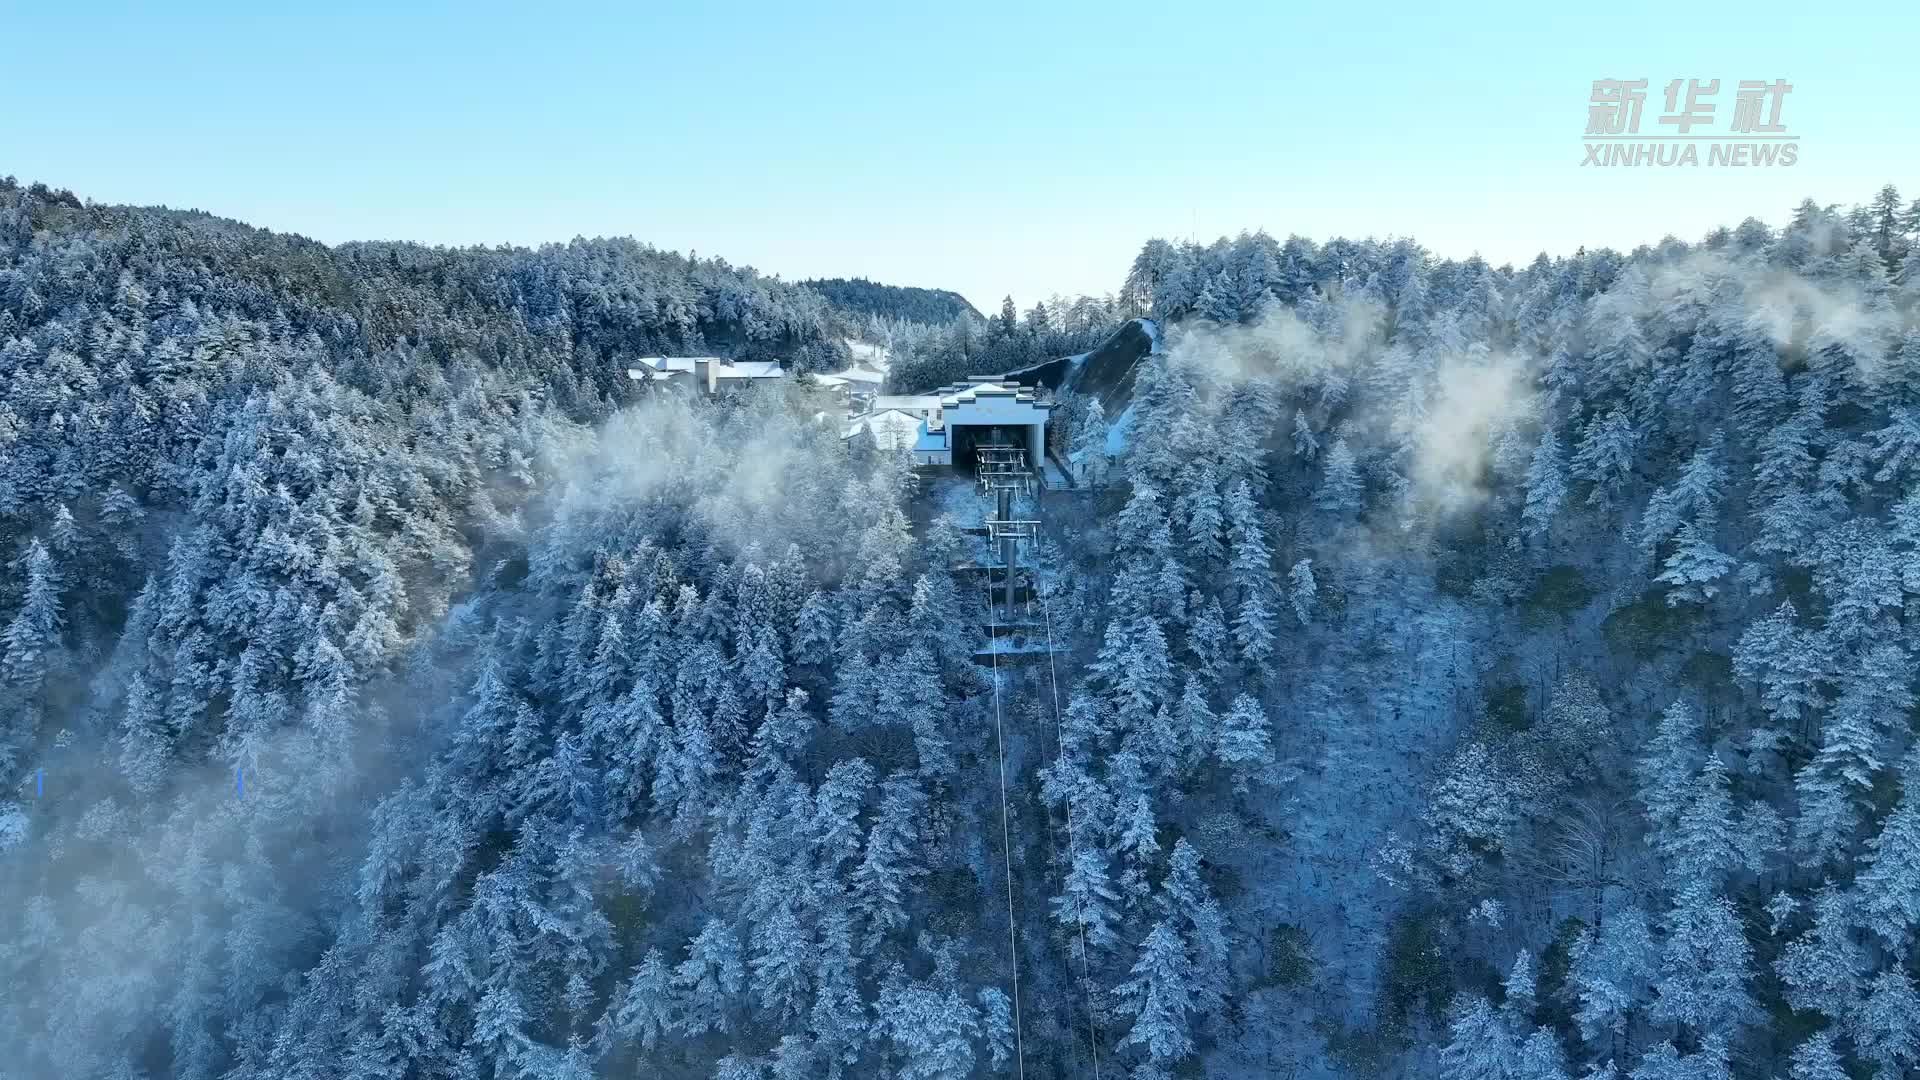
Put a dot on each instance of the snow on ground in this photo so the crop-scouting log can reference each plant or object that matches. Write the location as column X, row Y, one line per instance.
column 1055, row 477
column 13, row 827
column 869, row 355
column 1010, row 646
column 1153, row 332
column 1381, row 709
column 959, row 496
column 1118, row 432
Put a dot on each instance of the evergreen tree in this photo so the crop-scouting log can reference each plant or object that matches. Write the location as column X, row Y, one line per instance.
column 708, row 980
column 1890, row 884
column 1198, row 509
column 1089, row 449
column 32, row 639
column 891, row 861
column 646, row 1006
column 1886, row 1030
column 1667, row 770
column 781, row 963
column 1605, row 457
column 1302, row 592
column 1785, row 662
column 1245, row 747
column 1816, row 1059
column 1822, row 969
column 932, row 1027
column 1706, row 841
column 1253, row 631
column 1480, row 1046
column 1207, row 640
column 1306, row 445
column 1611, row 972
column 1546, row 486
column 1086, row 901
column 1339, row 491
column 1694, row 569
column 1705, row 967
column 1159, row 997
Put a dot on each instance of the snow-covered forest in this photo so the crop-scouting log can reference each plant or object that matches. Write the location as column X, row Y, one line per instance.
column 863, row 297
column 929, row 354
column 1465, row 671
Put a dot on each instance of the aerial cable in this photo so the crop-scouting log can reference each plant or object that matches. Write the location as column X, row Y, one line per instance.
column 1006, row 836
column 1080, row 916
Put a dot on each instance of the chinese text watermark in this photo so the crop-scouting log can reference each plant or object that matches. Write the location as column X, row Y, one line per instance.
column 1754, row 136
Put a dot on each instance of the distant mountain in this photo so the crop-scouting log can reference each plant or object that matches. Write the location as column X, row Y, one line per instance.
column 572, row 315
column 862, row 297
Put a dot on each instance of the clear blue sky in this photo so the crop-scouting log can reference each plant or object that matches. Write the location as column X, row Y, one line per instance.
column 981, row 147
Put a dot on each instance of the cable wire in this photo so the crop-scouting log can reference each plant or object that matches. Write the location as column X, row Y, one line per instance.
column 1080, row 915
column 1006, row 835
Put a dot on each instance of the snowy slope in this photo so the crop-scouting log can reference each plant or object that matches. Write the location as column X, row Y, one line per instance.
column 1118, row 438
column 866, row 354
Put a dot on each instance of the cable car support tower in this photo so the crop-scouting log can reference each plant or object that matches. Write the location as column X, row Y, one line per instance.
column 1003, row 473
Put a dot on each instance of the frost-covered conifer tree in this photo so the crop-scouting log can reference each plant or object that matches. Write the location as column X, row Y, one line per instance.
column 1339, row 491
column 1546, row 485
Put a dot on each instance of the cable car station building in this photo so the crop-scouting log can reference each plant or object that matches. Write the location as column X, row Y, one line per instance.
column 956, row 420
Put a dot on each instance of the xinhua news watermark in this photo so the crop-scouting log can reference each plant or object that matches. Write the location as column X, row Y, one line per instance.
column 1754, row 137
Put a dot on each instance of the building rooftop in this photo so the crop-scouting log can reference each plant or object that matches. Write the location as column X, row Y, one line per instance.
column 660, row 364
column 657, row 367
column 892, row 429
column 914, row 403
column 749, row 369
column 967, row 393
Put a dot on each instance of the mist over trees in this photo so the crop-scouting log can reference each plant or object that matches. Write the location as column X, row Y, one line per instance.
column 1466, row 671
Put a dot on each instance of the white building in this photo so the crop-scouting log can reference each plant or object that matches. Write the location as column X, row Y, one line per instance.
column 891, row 428
column 950, row 424
column 867, row 379
column 710, row 374
column 924, row 406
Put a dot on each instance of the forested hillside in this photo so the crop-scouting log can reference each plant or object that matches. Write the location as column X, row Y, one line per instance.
column 928, row 356
column 1466, row 672
column 908, row 304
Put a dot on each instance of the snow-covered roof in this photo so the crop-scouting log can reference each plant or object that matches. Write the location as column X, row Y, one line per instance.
column 749, row 369
column 968, row 392
column 892, row 429
column 862, row 375
column 676, row 363
column 660, row 367
column 917, row 403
